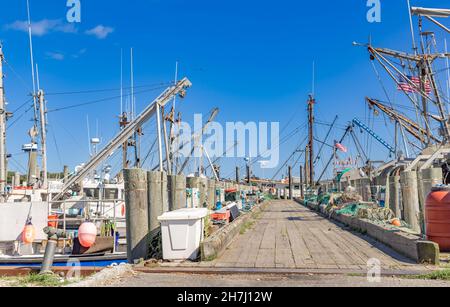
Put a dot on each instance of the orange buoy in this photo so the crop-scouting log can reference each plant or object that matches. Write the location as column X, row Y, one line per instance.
column 437, row 217
column 28, row 234
column 396, row 222
column 87, row 233
column 122, row 211
column 53, row 221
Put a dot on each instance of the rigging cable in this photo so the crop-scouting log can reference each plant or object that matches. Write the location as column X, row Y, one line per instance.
column 97, row 101
column 165, row 84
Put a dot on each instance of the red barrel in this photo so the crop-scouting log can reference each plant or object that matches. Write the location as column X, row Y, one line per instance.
column 437, row 217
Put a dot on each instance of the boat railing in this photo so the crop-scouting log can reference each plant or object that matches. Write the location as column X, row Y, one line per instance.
column 61, row 207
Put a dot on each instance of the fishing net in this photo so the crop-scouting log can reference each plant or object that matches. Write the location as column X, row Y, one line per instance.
column 367, row 211
column 323, row 199
column 310, row 199
column 351, row 209
column 376, row 214
column 155, row 251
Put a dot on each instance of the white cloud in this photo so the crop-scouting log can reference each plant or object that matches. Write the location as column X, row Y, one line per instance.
column 43, row 27
column 100, row 31
column 79, row 53
column 58, row 56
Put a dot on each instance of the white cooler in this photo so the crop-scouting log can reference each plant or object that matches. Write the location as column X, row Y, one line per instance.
column 182, row 232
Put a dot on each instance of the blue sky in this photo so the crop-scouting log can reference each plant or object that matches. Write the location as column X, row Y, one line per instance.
column 252, row 59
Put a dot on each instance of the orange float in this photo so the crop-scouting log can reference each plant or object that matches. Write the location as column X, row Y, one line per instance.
column 53, row 221
column 437, row 217
column 28, row 234
column 396, row 222
column 123, row 210
column 87, row 233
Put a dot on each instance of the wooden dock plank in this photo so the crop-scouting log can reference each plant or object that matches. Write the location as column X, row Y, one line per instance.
column 288, row 235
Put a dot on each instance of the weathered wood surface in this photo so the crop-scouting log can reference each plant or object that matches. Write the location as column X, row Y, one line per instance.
column 288, row 235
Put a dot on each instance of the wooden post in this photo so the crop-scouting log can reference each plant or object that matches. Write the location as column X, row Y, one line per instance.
column 290, row 182
column 136, row 214
column 65, row 173
column 17, row 179
column 237, row 175
column 302, row 194
column 176, row 185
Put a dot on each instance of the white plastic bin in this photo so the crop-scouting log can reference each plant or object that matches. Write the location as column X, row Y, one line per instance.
column 182, row 232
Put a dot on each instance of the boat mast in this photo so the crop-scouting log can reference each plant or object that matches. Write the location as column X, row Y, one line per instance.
column 43, row 128
column 172, row 127
column 425, row 65
column 448, row 74
column 33, row 132
column 412, row 28
column 138, row 132
column 30, row 37
column 309, row 153
column 3, row 171
column 123, row 118
column 311, row 103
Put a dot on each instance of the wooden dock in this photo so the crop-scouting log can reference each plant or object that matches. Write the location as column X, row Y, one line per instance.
column 290, row 236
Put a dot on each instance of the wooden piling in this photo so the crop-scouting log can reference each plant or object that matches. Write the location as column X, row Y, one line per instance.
column 176, row 185
column 290, row 182
column 136, row 214
column 302, row 193
column 157, row 200
column 65, row 173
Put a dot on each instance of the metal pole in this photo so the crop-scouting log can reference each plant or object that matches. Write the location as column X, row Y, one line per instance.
column 115, row 226
column 412, row 28
column 405, row 145
column 32, row 66
column 349, row 129
column 237, row 175
column 196, row 136
column 210, row 163
column 2, row 128
column 133, row 111
column 172, row 123
column 396, row 139
column 441, row 108
column 137, row 133
column 158, row 127
column 47, row 263
column 319, row 153
column 422, row 76
column 166, row 144
column 311, row 103
column 448, row 74
column 42, row 111
column 126, row 133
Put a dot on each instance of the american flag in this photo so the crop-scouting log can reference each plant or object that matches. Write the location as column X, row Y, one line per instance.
column 340, row 147
column 404, row 85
